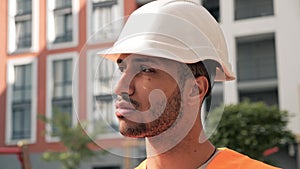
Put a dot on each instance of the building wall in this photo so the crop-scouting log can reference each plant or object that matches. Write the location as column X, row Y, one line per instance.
column 288, row 40
column 3, row 35
column 42, row 51
column 285, row 24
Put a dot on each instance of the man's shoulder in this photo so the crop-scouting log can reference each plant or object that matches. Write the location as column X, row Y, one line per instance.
column 227, row 158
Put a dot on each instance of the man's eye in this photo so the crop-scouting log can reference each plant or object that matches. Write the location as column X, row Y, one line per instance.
column 147, row 69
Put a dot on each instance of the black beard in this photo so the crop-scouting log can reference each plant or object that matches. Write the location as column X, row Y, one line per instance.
column 166, row 120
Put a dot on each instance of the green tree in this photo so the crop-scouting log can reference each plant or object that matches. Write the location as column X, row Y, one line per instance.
column 251, row 128
column 73, row 138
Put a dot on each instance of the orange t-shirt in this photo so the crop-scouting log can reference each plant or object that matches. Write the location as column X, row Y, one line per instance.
column 228, row 159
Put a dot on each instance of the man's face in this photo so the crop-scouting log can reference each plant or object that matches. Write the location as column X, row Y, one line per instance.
column 149, row 98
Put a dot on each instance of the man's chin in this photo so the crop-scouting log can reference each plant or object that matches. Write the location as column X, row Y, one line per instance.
column 133, row 131
column 131, row 134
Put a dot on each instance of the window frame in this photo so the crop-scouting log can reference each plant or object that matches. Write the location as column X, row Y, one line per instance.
column 9, row 98
column 12, row 46
column 50, row 87
column 50, row 30
column 89, row 19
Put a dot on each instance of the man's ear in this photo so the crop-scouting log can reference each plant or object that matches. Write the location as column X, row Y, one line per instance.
column 201, row 87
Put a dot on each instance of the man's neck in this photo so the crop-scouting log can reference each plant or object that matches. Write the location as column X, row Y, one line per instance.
column 188, row 153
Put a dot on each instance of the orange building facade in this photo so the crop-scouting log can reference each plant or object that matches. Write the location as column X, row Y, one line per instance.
column 46, row 51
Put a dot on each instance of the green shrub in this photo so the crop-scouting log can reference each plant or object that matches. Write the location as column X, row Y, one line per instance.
column 251, row 128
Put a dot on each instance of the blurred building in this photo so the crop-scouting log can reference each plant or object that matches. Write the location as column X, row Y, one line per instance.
column 49, row 45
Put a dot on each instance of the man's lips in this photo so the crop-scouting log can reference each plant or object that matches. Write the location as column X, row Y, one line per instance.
column 124, row 109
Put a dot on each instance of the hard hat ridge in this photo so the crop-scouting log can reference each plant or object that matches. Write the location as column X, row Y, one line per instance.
column 173, row 29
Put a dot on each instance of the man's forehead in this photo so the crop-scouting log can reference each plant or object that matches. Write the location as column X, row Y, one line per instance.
column 136, row 58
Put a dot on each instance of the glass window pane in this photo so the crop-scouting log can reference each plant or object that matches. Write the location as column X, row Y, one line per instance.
column 24, row 6
column 105, row 73
column 23, row 33
column 269, row 97
column 22, row 85
column 68, row 90
column 58, row 91
column 19, row 76
column 21, row 121
column 58, row 78
column 60, row 106
column 63, row 71
column 104, row 113
column 17, row 96
column 256, row 59
column 69, row 22
column 59, row 25
column 28, row 73
column 58, row 71
column 254, row 8
column 16, row 123
column 69, row 28
column 69, row 70
column 63, row 3
column 27, row 94
column 63, row 27
column 27, row 123
column 213, row 7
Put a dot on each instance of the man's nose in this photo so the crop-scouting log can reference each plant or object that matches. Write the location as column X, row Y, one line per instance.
column 125, row 84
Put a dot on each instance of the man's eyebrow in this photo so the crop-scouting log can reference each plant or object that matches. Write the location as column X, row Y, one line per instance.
column 149, row 60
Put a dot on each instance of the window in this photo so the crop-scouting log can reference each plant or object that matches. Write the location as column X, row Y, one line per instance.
column 213, row 6
column 101, row 76
column 256, row 66
column 255, row 8
column 21, row 100
column 60, row 81
column 62, row 88
column 104, row 19
column 256, row 58
column 62, row 23
column 22, row 21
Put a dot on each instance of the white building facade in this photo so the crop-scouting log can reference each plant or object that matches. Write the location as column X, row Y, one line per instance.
column 263, row 41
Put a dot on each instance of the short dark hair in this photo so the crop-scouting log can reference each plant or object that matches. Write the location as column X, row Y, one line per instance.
column 205, row 68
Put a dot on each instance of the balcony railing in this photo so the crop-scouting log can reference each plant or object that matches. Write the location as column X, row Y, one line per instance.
column 24, row 41
column 67, row 37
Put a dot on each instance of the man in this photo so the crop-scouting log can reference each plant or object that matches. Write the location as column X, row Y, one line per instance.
column 169, row 53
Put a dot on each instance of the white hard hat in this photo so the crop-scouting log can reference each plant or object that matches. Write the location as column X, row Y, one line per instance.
column 173, row 29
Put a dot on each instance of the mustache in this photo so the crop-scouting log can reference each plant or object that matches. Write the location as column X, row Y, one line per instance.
column 125, row 97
